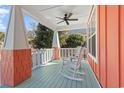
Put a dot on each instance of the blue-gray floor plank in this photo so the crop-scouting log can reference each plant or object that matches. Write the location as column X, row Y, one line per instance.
column 50, row 76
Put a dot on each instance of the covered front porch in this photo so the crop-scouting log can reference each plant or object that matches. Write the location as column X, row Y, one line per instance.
column 24, row 67
column 104, row 63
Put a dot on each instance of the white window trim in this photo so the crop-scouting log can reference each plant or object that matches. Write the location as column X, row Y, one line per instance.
column 95, row 33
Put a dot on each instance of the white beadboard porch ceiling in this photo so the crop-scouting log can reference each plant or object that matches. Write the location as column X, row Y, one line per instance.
column 47, row 15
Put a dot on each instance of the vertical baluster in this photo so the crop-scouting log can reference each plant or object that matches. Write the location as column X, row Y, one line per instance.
column 68, row 52
column 32, row 60
column 47, row 55
column 50, row 54
column 72, row 52
column 65, row 53
column 36, row 58
column 42, row 56
column 61, row 53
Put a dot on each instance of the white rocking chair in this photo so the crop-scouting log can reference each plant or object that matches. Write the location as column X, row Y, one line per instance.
column 73, row 66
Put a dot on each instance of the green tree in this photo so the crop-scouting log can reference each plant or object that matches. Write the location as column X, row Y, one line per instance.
column 74, row 40
column 1, row 36
column 62, row 38
column 43, row 38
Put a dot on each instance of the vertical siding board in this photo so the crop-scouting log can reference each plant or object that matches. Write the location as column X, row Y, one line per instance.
column 112, row 47
column 121, row 46
column 102, row 46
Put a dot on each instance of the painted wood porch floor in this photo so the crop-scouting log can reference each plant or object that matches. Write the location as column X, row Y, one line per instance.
column 49, row 76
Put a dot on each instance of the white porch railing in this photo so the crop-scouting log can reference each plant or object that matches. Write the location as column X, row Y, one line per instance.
column 44, row 56
column 67, row 52
column 41, row 57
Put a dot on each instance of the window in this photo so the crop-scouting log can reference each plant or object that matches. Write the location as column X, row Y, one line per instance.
column 94, row 45
column 92, row 33
column 89, row 46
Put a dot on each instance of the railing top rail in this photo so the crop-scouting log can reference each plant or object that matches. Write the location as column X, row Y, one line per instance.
column 43, row 49
column 68, row 48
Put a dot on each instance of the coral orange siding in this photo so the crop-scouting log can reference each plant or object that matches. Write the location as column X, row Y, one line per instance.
column 110, row 67
column 16, row 66
column 102, row 44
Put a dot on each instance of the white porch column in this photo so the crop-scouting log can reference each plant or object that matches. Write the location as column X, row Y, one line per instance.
column 56, row 45
column 16, row 60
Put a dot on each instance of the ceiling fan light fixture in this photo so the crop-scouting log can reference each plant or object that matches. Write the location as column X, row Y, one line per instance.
column 66, row 18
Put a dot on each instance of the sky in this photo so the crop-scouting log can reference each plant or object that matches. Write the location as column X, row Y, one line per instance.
column 5, row 15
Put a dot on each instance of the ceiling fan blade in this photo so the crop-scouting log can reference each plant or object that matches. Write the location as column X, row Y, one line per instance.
column 67, row 22
column 69, row 15
column 72, row 19
column 59, row 18
column 60, row 22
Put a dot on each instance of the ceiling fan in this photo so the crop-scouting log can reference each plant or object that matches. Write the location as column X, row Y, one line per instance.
column 66, row 18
